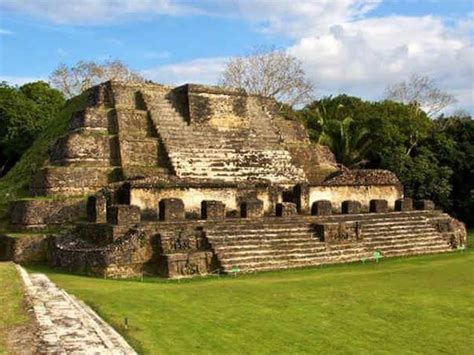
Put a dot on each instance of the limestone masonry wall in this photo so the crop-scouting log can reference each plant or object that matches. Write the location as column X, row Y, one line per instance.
column 192, row 197
column 362, row 194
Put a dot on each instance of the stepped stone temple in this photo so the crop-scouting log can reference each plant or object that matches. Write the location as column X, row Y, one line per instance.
column 192, row 180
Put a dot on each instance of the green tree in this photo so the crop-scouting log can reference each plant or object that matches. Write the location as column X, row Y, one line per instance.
column 24, row 112
column 452, row 141
column 387, row 135
column 349, row 142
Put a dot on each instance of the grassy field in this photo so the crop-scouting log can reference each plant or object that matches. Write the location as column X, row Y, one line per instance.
column 408, row 305
column 12, row 314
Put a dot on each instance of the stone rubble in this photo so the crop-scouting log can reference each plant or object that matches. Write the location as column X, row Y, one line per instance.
column 66, row 325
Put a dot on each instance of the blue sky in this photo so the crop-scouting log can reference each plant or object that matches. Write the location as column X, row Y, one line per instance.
column 353, row 46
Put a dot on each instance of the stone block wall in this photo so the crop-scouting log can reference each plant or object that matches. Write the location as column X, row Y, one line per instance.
column 70, row 180
column 171, row 209
column 341, row 232
column 351, row 207
column 378, row 206
column 212, row 210
column 231, row 195
column 424, row 205
column 91, row 118
column 404, row 204
column 321, row 208
column 24, row 249
column 89, row 148
column 222, row 108
column 285, row 209
column 186, row 264
column 252, row 209
column 38, row 213
column 362, row 193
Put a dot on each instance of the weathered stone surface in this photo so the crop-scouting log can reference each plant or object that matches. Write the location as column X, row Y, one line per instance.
column 138, row 151
column 70, row 180
column 339, row 232
column 378, row 206
column 212, row 210
column 321, row 208
column 27, row 248
column 97, row 209
column 301, row 192
column 66, row 325
column 142, row 143
column 251, row 209
column 88, row 147
column 182, row 239
column 404, row 204
column 285, row 209
column 94, row 118
column 123, row 214
column 453, row 230
column 424, row 205
column 363, row 177
column 130, row 120
column 186, row 264
column 351, row 207
column 32, row 213
column 171, row 209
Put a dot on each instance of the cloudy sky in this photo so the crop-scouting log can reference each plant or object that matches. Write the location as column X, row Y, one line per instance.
column 347, row 46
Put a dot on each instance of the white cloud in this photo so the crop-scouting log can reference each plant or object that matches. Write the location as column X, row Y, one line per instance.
column 203, row 71
column 303, row 17
column 293, row 17
column 343, row 48
column 362, row 57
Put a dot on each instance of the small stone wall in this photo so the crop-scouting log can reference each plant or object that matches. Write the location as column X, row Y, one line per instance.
column 24, row 249
column 363, row 194
column 37, row 213
column 70, row 180
column 221, row 108
column 147, row 198
column 85, row 147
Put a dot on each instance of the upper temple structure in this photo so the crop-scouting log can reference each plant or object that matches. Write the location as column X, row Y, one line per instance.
column 192, row 180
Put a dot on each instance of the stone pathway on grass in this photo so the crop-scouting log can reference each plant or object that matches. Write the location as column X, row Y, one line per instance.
column 66, row 324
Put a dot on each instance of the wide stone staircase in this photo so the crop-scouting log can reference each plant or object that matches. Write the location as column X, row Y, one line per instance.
column 250, row 246
column 204, row 152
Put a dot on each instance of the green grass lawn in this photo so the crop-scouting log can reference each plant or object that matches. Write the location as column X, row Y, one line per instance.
column 407, row 305
column 12, row 313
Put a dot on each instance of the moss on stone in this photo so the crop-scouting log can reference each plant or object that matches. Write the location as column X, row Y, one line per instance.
column 15, row 184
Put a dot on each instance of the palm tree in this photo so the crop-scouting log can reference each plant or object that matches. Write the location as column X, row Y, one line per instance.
column 349, row 143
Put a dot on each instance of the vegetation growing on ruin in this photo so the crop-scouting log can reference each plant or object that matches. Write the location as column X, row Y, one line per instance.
column 433, row 158
column 15, row 184
column 12, row 311
column 418, row 305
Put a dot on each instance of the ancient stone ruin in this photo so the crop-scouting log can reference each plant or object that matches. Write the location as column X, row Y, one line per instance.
column 193, row 180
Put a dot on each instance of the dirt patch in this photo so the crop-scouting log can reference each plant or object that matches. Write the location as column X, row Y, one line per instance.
column 22, row 339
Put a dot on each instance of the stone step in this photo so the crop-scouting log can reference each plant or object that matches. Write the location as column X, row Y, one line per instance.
column 407, row 237
column 285, row 264
column 396, row 224
column 295, row 263
column 267, row 244
column 412, row 250
column 407, row 244
column 399, row 231
column 258, row 232
column 227, row 255
column 283, row 255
